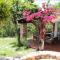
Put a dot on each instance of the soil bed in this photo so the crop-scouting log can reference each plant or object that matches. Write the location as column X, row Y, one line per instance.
column 54, row 46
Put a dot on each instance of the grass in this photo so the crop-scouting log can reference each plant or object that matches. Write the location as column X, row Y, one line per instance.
column 8, row 47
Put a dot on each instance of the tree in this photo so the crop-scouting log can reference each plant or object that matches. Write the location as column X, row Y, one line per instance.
column 43, row 16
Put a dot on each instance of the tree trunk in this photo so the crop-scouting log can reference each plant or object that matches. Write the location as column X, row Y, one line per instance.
column 18, row 37
column 41, row 34
column 41, row 28
column 42, row 44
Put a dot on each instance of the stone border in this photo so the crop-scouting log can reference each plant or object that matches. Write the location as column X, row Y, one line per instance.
column 30, row 54
column 52, row 53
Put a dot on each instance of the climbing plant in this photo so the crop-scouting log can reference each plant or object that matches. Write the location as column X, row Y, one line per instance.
column 43, row 15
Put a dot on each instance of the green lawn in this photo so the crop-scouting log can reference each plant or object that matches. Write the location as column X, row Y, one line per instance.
column 8, row 47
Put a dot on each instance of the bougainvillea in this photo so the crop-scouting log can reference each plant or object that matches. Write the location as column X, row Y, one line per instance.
column 44, row 14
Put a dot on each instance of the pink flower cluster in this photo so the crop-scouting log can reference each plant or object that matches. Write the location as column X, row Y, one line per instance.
column 47, row 15
column 26, row 13
column 48, row 19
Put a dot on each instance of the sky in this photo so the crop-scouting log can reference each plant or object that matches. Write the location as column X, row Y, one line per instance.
column 39, row 2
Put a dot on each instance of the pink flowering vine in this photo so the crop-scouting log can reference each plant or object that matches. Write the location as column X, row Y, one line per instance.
column 45, row 16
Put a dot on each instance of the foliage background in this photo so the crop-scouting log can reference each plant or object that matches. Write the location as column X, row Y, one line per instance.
column 7, row 28
column 7, row 9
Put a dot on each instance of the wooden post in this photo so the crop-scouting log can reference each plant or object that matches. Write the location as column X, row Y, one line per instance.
column 23, row 32
column 55, row 29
